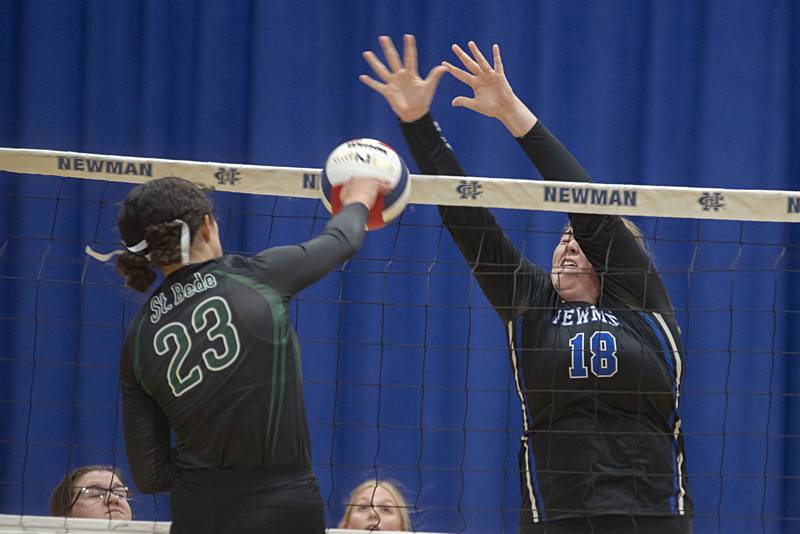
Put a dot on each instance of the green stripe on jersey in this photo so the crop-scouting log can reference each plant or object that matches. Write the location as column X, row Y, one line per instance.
column 283, row 383
column 137, row 363
column 279, row 329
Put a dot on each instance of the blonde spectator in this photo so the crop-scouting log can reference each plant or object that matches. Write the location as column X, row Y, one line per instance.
column 376, row 505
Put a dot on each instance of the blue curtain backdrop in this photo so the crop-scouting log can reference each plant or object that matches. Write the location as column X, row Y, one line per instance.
column 680, row 93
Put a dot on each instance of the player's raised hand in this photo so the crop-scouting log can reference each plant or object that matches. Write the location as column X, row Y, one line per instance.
column 408, row 94
column 493, row 95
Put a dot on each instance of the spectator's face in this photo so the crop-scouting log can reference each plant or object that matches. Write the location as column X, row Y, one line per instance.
column 97, row 502
column 375, row 509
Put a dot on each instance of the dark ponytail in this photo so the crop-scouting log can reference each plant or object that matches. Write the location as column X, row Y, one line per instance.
column 137, row 270
column 150, row 224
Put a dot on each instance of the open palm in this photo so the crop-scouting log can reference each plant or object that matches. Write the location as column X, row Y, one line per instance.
column 400, row 84
column 493, row 94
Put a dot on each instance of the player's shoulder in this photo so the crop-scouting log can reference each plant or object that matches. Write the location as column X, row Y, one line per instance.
column 237, row 264
column 247, row 270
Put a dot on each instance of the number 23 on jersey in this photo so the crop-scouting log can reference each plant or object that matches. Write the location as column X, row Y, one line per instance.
column 211, row 318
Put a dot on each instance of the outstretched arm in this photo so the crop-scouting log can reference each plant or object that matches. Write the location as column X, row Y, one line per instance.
column 617, row 255
column 505, row 276
column 494, row 97
column 294, row 267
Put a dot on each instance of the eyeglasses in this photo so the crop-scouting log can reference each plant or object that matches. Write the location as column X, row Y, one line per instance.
column 97, row 493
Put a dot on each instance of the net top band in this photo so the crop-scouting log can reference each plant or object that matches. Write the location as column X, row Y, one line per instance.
column 632, row 200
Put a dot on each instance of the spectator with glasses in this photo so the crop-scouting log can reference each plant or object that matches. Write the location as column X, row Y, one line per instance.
column 94, row 492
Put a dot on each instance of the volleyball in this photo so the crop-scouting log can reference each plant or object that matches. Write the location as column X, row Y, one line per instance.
column 367, row 157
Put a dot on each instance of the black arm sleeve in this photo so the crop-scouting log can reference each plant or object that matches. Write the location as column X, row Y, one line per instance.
column 625, row 268
column 507, row 278
column 294, row 267
column 147, row 432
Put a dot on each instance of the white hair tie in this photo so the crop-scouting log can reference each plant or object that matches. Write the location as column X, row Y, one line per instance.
column 186, row 241
column 138, row 247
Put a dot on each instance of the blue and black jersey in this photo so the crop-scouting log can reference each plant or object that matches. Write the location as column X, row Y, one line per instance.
column 598, row 383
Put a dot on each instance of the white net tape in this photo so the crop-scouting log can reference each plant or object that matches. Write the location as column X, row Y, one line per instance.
column 31, row 524
column 685, row 202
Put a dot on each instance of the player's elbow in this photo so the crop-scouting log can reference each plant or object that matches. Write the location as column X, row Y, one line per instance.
column 152, row 476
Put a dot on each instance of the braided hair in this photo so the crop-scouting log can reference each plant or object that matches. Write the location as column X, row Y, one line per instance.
column 150, row 225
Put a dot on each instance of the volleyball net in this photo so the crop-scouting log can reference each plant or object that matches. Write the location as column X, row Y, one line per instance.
column 405, row 364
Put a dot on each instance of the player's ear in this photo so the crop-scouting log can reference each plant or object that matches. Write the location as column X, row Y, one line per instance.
column 207, row 227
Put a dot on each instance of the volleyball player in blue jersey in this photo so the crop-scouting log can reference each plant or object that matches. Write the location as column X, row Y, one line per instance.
column 212, row 358
column 593, row 343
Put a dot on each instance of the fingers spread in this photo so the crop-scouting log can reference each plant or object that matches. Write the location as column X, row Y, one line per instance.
column 410, row 52
column 372, row 83
column 435, row 76
column 463, row 102
column 390, row 53
column 377, row 66
column 458, row 74
column 498, row 61
column 466, row 60
column 479, row 59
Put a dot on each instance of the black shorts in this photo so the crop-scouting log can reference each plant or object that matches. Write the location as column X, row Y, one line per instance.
column 244, row 501
column 613, row 524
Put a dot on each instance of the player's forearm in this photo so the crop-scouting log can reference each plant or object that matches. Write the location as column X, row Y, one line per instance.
column 488, row 251
column 147, row 441
column 149, row 461
column 429, row 148
column 517, row 118
column 550, row 156
column 155, row 477
column 291, row 268
column 468, row 226
column 346, row 229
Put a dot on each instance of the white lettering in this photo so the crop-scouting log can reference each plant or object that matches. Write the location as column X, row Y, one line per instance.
column 159, row 306
column 199, row 284
column 584, row 315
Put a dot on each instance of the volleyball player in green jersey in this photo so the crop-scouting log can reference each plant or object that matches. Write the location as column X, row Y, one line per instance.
column 593, row 343
column 212, row 358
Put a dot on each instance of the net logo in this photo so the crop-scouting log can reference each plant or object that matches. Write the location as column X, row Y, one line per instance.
column 793, row 205
column 310, row 180
column 227, row 176
column 712, row 201
column 469, row 189
column 105, row 166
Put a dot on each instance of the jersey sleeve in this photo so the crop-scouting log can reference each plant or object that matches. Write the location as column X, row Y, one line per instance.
column 508, row 279
column 625, row 268
column 147, row 431
column 288, row 269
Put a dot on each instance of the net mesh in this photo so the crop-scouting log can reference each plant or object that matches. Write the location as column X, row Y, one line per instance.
column 405, row 364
